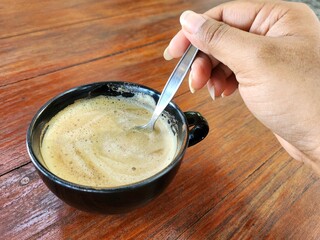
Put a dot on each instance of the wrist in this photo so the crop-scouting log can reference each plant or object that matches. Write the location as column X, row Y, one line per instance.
column 314, row 158
column 310, row 157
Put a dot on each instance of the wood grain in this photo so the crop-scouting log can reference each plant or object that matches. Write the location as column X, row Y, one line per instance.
column 238, row 183
column 56, row 47
column 19, row 17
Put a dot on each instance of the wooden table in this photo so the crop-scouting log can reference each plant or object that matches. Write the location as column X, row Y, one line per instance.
column 237, row 183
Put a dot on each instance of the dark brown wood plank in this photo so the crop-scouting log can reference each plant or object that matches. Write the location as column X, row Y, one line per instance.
column 41, row 52
column 19, row 17
column 302, row 220
column 253, row 209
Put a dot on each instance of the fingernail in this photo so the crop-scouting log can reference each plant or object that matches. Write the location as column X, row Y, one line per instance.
column 167, row 55
column 192, row 90
column 191, row 21
column 212, row 91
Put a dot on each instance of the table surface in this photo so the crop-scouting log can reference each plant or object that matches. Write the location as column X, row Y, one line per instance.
column 237, row 183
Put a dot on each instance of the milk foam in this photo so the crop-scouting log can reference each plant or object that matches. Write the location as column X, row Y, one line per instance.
column 91, row 142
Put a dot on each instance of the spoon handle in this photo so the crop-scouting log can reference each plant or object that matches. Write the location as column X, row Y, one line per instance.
column 175, row 81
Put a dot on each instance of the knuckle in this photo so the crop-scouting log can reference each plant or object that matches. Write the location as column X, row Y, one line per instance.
column 214, row 33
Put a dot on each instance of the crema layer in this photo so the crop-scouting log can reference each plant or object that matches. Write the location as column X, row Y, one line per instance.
column 91, row 142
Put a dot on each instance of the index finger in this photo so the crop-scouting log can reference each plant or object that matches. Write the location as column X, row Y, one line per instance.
column 177, row 46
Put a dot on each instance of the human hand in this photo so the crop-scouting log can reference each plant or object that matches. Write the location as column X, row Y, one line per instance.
column 270, row 50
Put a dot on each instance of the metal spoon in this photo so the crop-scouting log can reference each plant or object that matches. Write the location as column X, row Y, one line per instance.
column 171, row 86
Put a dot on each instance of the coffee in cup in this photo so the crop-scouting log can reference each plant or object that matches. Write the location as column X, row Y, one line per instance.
column 92, row 142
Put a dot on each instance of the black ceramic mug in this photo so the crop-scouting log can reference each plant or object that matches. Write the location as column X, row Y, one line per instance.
column 190, row 129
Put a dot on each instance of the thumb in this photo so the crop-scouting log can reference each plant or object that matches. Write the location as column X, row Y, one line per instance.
column 227, row 44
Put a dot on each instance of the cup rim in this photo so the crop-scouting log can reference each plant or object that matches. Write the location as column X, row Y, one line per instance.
column 39, row 166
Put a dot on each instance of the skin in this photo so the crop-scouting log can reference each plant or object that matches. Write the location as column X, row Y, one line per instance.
column 270, row 51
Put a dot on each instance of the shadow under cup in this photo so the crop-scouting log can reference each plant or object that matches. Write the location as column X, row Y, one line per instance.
column 189, row 127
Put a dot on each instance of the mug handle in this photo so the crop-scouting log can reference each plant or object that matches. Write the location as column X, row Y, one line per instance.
column 198, row 127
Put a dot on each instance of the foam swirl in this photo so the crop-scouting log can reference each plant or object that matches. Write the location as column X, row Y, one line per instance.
column 91, row 143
